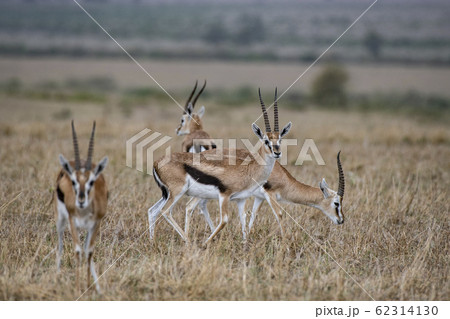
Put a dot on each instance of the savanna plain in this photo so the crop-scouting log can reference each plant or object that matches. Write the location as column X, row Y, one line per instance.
column 393, row 245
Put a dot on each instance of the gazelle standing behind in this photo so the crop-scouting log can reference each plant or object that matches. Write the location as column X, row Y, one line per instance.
column 81, row 199
column 196, row 139
column 216, row 179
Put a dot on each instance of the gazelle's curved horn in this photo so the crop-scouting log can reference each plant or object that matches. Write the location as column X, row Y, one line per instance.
column 190, row 97
column 90, row 149
column 341, row 188
column 76, row 150
column 263, row 107
column 275, row 113
column 199, row 93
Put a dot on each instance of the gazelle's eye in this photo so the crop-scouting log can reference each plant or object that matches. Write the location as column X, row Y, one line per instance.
column 91, row 183
column 267, row 142
column 336, row 204
column 73, row 183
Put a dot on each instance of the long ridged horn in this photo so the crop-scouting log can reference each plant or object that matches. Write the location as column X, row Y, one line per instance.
column 341, row 188
column 275, row 113
column 90, row 150
column 76, row 150
column 199, row 93
column 190, row 97
column 263, row 107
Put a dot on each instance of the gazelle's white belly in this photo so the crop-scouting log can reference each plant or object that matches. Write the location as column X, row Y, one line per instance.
column 84, row 222
column 259, row 193
column 85, row 218
column 197, row 189
column 204, row 191
column 192, row 149
column 245, row 193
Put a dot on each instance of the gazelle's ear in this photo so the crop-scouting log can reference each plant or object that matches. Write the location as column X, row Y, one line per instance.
column 324, row 188
column 190, row 108
column 65, row 165
column 257, row 131
column 201, row 112
column 101, row 166
column 286, row 129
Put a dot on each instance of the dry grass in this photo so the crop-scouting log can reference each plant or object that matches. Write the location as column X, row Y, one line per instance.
column 395, row 241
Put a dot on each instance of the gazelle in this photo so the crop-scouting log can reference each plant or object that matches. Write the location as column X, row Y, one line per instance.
column 283, row 187
column 196, row 139
column 81, row 199
column 216, row 179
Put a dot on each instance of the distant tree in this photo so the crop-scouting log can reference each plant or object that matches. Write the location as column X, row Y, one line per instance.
column 373, row 43
column 13, row 85
column 330, row 86
column 216, row 32
column 251, row 29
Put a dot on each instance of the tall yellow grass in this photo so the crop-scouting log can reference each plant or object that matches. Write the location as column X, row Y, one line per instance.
column 394, row 243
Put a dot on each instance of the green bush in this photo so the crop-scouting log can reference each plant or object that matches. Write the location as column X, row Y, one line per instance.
column 329, row 88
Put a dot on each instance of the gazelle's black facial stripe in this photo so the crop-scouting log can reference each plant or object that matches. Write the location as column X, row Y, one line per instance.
column 269, row 144
column 89, row 186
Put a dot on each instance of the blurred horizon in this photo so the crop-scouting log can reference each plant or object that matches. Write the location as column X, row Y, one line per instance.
column 405, row 32
column 396, row 58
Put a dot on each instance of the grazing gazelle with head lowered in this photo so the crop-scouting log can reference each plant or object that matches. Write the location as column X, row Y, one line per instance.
column 81, row 199
column 221, row 179
column 283, row 187
column 196, row 139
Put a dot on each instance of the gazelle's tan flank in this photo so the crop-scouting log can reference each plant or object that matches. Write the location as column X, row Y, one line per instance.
column 80, row 198
column 283, row 187
column 196, row 139
column 217, row 179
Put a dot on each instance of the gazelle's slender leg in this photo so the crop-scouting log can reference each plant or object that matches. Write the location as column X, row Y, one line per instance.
column 223, row 205
column 202, row 204
column 205, row 213
column 77, row 246
column 153, row 212
column 242, row 217
column 167, row 211
column 190, row 207
column 269, row 201
column 256, row 206
column 61, row 224
column 89, row 251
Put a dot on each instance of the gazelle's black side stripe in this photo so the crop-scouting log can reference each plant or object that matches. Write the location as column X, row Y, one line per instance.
column 204, row 178
column 164, row 190
column 267, row 186
column 60, row 194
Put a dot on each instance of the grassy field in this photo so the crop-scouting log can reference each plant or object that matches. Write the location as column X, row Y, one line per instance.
column 394, row 243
